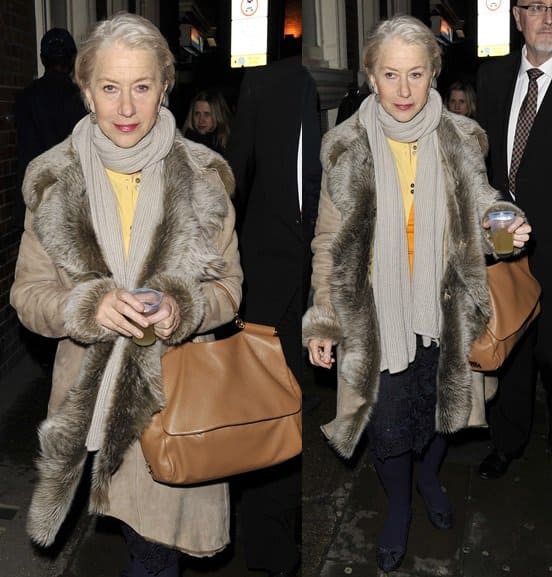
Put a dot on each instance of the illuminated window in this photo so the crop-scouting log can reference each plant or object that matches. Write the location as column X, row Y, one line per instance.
column 249, row 33
column 493, row 27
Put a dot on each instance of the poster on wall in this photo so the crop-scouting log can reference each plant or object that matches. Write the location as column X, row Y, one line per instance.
column 249, row 33
column 493, row 28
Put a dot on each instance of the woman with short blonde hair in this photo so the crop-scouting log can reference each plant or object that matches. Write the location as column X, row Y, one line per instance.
column 125, row 202
column 399, row 277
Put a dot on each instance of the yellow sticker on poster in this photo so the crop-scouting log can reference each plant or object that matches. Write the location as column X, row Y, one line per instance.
column 239, row 60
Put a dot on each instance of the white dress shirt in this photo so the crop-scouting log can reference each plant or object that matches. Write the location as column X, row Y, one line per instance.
column 520, row 91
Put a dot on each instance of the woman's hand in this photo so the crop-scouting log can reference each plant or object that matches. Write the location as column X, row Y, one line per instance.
column 167, row 319
column 521, row 230
column 320, row 353
column 119, row 307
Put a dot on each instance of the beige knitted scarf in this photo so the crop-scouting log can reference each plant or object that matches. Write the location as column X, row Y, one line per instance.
column 407, row 305
column 96, row 153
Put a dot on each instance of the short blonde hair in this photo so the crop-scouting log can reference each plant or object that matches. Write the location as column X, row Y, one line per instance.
column 406, row 28
column 132, row 31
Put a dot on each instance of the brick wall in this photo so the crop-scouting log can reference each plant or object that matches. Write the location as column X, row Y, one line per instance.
column 17, row 68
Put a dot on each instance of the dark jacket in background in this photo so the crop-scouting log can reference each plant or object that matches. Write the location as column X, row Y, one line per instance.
column 46, row 112
column 209, row 140
column 274, row 235
column 351, row 102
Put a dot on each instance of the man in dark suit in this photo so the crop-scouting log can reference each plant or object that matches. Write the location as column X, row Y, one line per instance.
column 273, row 151
column 522, row 172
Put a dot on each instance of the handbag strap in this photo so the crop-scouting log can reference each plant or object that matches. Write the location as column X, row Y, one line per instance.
column 238, row 321
column 229, row 295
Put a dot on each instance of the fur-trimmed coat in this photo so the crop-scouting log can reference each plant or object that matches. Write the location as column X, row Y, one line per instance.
column 343, row 302
column 60, row 278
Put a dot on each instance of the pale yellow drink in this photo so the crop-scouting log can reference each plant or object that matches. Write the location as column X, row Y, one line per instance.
column 151, row 300
column 503, row 240
column 149, row 336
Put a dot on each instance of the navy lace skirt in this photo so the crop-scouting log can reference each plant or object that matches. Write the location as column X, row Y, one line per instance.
column 404, row 416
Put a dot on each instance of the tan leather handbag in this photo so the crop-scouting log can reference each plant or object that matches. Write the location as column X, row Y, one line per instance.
column 515, row 298
column 232, row 406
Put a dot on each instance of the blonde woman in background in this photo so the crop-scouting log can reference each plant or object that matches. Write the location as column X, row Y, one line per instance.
column 208, row 120
column 461, row 99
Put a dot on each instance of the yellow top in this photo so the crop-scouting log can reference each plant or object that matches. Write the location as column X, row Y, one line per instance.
column 405, row 161
column 126, row 191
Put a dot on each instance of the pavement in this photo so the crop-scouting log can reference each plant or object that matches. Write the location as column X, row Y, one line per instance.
column 503, row 528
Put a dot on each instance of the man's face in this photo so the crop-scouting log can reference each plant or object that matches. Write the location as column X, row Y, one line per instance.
column 537, row 31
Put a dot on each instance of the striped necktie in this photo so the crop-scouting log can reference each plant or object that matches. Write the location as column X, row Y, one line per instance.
column 526, row 116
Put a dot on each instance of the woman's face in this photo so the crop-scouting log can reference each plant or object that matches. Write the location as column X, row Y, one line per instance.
column 458, row 102
column 202, row 117
column 125, row 92
column 402, row 78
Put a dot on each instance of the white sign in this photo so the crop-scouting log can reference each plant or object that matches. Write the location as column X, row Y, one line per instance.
column 249, row 33
column 493, row 27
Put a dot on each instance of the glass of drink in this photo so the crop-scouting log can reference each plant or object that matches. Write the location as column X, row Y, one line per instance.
column 151, row 300
column 503, row 240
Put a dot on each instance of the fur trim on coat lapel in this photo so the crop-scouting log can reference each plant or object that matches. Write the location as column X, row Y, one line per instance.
column 197, row 182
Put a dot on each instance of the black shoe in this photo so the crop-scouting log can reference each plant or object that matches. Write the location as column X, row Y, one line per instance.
column 390, row 558
column 439, row 519
column 494, row 465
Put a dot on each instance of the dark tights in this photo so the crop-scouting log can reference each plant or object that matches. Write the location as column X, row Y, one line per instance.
column 395, row 474
column 427, row 475
column 149, row 559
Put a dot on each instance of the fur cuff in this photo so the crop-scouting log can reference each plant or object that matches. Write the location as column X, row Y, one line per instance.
column 320, row 322
column 80, row 312
column 191, row 302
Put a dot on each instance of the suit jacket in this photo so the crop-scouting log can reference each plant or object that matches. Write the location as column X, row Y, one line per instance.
column 274, row 233
column 495, row 90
